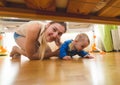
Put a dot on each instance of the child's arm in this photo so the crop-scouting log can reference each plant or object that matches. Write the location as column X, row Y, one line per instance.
column 88, row 56
column 67, row 58
column 85, row 54
column 63, row 49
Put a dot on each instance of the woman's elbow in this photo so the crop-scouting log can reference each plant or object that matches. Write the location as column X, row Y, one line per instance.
column 33, row 57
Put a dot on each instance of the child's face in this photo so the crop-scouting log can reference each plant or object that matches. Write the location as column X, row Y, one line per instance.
column 80, row 45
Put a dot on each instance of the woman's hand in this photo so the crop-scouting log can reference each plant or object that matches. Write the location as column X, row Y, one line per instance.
column 57, row 42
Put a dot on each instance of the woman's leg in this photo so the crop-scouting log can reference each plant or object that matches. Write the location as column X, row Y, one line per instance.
column 16, row 51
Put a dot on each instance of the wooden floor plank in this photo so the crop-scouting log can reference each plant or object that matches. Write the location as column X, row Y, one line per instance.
column 102, row 70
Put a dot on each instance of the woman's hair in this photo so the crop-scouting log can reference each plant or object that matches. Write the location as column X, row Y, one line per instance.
column 61, row 23
column 43, row 44
column 42, row 47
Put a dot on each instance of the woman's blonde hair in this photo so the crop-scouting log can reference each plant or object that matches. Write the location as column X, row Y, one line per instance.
column 42, row 47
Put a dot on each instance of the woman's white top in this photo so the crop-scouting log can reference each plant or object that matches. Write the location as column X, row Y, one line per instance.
column 22, row 29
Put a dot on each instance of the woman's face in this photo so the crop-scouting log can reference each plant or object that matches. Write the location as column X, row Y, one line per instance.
column 54, row 31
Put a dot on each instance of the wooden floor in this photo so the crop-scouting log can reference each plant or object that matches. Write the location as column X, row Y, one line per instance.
column 102, row 70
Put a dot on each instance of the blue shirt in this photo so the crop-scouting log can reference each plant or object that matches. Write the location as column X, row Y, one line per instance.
column 65, row 50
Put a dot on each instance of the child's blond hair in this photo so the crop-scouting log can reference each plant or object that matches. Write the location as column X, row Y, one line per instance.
column 79, row 37
column 82, row 36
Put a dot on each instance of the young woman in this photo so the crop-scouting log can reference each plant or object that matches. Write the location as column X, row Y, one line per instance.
column 32, row 38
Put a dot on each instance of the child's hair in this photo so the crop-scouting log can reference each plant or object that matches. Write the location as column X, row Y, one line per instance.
column 43, row 45
column 82, row 36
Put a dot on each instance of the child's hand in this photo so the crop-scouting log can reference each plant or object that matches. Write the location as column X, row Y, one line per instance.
column 67, row 58
column 89, row 56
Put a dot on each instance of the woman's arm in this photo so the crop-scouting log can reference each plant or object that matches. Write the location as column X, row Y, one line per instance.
column 57, row 42
column 32, row 33
column 50, row 53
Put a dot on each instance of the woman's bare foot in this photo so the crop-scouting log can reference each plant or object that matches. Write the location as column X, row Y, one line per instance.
column 14, row 52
